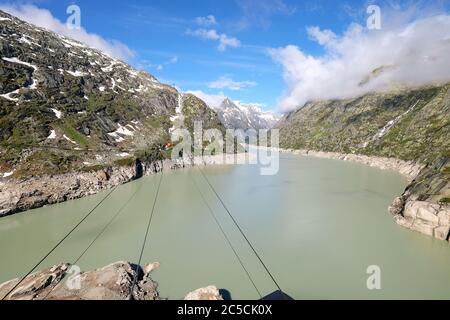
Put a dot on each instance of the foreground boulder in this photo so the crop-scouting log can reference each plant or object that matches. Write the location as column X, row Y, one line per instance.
column 208, row 293
column 118, row 281
column 36, row 286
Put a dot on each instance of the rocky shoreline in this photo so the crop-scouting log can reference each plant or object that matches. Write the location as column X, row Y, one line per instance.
column 408, row 169
column 22, row 195
column 118, row 281
column 420, row 208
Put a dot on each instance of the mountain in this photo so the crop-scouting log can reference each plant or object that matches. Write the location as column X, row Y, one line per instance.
column 236, row 115
column 409, row 124
column 67, row 107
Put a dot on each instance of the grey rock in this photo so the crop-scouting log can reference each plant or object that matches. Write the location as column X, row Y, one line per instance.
column 442, row 232
column 208, row 293
column 118, row 281
column 396, row 207
column 35, row 286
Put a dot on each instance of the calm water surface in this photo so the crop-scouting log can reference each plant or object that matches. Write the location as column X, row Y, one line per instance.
column 317, row 226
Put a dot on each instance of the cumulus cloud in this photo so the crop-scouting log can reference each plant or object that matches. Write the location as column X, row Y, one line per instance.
column 226, row 82
column 323, row 37
column 43, row 18
column 207, row 21
column 212, row 100
column 211, row 34
column 360, row 61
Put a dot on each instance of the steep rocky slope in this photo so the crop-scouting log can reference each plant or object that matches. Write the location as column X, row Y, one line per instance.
column 65, row 106
column 410, row 124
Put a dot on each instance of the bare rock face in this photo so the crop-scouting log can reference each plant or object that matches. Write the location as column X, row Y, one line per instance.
column 118, row 281
column 424, row 205
column 208, row 293
column 150, row 268
column 426, row 217
column 113, row 282
column 22, row 195
column 397, row 206
column 36, row 286
column 146, row 289
column 409, row 169
column 8, row 199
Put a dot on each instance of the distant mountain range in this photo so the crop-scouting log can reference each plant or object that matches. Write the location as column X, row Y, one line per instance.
column 237, row 115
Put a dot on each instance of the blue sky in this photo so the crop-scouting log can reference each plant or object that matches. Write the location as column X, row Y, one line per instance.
column 178, row 41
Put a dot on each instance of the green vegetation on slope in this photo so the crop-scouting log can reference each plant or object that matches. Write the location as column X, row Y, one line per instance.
column 420, row 130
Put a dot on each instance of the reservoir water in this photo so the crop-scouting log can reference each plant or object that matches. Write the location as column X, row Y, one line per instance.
column 318, row 225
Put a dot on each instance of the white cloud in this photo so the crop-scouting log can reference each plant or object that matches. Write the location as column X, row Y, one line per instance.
column 323, row 37
column 212, row 100
column 207, row 21
column 173, row 60
column 360, row 61
column 211, row 34
column 161, row 66
column 43, row 18
column 226, row 82
column 260, row 12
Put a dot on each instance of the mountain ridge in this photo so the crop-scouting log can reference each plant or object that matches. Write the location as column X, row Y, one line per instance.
column 238, row 115
column 67, row 107
column 409, row 124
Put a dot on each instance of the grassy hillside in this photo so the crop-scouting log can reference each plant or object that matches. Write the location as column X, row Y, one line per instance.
column 410, row 124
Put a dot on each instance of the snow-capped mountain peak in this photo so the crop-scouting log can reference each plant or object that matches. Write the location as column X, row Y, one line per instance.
column 239, row 115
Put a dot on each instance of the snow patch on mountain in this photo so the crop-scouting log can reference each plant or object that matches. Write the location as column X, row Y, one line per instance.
column 178, row 119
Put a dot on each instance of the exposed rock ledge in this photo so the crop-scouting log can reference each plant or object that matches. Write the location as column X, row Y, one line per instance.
column 407, row 168
column 21, row 195
column 424, row 206
column 118, row 281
